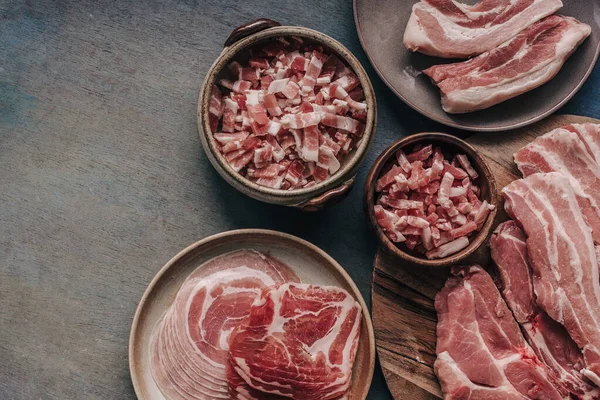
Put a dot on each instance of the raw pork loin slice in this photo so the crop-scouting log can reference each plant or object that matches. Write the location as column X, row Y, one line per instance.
column 564, row 262
column 482, row 354
column 562, row 151
column 447, row 28
column 299, row 341
column 549, row 339
column 190, row 344
column 523, row 63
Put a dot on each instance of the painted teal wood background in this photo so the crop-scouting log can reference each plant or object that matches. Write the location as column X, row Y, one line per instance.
column 102, row 177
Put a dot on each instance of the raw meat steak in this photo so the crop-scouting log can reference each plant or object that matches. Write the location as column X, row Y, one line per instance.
column 190, row 344
column 481, row 351
column 527, row 61
column 448, row 28
column 562, row 151
column 299, row 341
column 564, row 263
column 549, row 339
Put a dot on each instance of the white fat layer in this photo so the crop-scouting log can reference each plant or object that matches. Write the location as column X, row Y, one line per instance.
column 541, row 204
column 590, row 135
column 490, row 35
column 224, row 277
column 480, row 97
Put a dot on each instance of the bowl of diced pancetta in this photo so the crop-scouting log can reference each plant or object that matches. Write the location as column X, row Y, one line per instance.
column 431, row 198
column 286, row 115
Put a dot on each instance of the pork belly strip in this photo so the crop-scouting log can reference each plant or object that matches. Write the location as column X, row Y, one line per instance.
column 527, row 61
column 562, row 258
column 562, row 151
column 549, row 340
column 450, row 29
column 590, row 136
column 481, row 351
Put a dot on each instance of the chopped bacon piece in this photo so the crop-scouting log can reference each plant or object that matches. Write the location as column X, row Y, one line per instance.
column 348, row 82
column 420, row 155
column 448, row 249
column 401, row 204
column 313, row 71
column 388, row 178
column 464, row 162
column 417, row 222
column 456, row 172
column 298, row 64
column 340, row 122
column 310, row 144
column 444, row 193
column 241, row 86
column 301, row 120
column 387, row 221
column 278, row 85
column 257, row 62
column 403, row 161
column 216, row 108
column 224, row 138
column 291, row 90
column 327, row 160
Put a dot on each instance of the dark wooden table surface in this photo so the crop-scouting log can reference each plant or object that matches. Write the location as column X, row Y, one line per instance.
column 103, row 180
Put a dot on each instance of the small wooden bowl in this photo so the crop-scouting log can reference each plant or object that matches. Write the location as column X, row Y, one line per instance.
column 450, row 145
column 310, row 263
column 333, row 189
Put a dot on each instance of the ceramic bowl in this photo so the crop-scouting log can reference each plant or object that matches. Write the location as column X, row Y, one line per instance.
column 311, row 265
column 450, row 145
column 327, row 192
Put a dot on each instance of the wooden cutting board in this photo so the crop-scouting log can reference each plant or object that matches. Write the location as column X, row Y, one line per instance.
column 403, row 294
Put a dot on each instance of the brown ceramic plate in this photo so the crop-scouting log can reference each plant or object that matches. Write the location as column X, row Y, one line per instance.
column 311, row 264
column 380, row 25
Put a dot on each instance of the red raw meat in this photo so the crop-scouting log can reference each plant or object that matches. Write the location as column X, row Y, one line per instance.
column 299, row 341
column 447, row 28
column 481, row 353
column 190, row 344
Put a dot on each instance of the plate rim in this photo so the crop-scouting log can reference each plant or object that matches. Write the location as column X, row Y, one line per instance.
column 467, row 127
column 133, row 333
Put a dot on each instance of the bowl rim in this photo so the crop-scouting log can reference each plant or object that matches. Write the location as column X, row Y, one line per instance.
column 181, row 255
column 350, row 165
column 369, row 198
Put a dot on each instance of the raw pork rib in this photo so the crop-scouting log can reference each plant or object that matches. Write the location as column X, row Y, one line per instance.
column 481, row 352
column 299, row 341
column 519, row 65
column 549, row 339
column 562, row 151
column 564, row 262
column 190, row 344
column 590, row 136
column 447, row 28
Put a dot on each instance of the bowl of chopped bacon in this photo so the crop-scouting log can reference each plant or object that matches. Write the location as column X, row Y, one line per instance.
column 286, row 115
column 431, row 198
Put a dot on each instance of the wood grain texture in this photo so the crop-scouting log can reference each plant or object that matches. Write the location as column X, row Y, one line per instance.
column 403, row 295
column 103, row 180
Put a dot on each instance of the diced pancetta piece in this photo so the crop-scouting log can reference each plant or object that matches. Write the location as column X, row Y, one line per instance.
column 278, row 86
column 389, row 178
column 417, row 222
column 421, row 154
column 401, row 204
column 241, row 86
column 464, row 162
column 301, row 120
column 313, row 71
column 249, row 74
column 215, row 108
column 444, row 193
column 256, row 110
column 224, row 138
column 448, row 249
column 387, row 221
column 291, row 90
column 340, row 122
column 242, row 160
column 270, row 102
column 310, row 144
column 263, row 156
column 258, row 62
column 463, row 230
column 327, row 160
column 294, row 172
column 403, row 161
column 427, row 238
column 456, row 172
column 348, row 81
column 277, row 150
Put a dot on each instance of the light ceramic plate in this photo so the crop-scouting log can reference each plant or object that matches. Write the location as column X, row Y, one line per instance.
column 311, row 264
column 381, row 24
